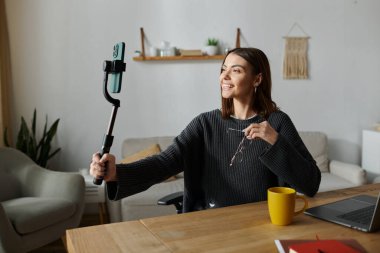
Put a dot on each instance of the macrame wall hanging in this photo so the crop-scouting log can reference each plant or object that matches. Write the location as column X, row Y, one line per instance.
column 295, row 65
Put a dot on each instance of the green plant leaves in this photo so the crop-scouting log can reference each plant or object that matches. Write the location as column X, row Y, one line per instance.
column 27, row 141
column 212, row 42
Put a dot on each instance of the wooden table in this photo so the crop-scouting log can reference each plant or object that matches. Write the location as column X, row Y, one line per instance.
column 243, row 228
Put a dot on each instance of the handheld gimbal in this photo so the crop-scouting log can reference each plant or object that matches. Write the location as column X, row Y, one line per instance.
column 110, row 67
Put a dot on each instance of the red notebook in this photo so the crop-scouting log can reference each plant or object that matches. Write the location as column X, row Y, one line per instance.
column 319, row 246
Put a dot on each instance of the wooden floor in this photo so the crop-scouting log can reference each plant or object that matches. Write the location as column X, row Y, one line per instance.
column 58, row 246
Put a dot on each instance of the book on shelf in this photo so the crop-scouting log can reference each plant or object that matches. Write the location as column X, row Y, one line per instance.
column 319, row 246
column 191, row 52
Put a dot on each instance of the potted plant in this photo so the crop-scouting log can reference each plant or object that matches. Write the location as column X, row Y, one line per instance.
column 211, row 47
column 38, row 151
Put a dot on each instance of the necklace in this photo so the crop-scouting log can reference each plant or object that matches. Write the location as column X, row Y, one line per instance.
column 233, row 116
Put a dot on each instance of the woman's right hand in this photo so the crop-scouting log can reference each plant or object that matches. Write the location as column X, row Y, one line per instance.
column 103, row 167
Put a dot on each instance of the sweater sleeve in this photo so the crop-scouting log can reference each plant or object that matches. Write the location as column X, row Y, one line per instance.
column 290, row 160
column 140, row 175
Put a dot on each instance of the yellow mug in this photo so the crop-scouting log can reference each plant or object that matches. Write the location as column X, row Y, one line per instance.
column 281, row 204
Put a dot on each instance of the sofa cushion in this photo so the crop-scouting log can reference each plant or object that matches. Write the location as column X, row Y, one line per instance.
column 330, row 182
column 149, row 151
column 30, row 214
column 134, row 145
column 316, row 143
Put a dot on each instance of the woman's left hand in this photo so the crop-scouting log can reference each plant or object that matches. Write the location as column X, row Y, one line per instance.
column 263, row 131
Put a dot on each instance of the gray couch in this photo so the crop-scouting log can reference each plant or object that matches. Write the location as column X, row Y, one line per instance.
column 335, row 175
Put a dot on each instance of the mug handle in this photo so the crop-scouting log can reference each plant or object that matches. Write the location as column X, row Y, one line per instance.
column 304, row 206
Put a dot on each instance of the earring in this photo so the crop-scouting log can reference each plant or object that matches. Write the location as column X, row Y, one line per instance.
column 256, row 86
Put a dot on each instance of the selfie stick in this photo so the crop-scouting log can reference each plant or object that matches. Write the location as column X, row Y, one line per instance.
column 115, row 66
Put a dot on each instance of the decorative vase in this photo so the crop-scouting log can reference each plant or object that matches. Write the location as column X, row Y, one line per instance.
column 211, row 50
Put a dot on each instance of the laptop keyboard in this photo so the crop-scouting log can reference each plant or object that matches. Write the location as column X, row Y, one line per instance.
column 363, row 215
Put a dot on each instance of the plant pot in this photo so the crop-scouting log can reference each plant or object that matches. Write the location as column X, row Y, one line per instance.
column 211, row 50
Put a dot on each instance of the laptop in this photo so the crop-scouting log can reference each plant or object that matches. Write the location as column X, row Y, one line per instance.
column 360, row 212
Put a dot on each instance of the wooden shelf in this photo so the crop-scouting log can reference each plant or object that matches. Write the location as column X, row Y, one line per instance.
column 179, row 58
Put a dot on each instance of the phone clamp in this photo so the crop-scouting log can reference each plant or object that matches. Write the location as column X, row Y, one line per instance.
column 115, row 66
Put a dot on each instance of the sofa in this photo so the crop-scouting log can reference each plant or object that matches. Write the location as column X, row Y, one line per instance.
column 335, row 175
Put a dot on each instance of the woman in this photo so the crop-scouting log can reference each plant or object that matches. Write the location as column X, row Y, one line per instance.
column 229, row 156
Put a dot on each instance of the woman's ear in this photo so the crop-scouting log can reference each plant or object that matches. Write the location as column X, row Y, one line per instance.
column 258, row 79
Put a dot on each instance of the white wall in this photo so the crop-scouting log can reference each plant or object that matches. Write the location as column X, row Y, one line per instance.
column 58, row 47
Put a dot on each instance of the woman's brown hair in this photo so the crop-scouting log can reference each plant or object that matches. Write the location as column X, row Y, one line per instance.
column 262, row 102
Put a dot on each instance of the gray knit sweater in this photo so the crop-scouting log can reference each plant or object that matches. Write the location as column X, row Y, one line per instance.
column 204, row 151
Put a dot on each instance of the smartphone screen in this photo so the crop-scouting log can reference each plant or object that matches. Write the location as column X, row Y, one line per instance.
column 115, row 79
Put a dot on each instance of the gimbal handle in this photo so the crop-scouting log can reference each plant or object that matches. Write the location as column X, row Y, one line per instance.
column 109, row 67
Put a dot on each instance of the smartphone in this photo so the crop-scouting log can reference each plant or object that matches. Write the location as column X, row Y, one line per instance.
column 115, row 79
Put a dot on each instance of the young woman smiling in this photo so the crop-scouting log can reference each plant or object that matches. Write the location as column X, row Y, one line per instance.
column 230, row 155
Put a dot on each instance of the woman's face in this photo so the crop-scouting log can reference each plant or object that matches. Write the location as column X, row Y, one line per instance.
column 237, row 78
